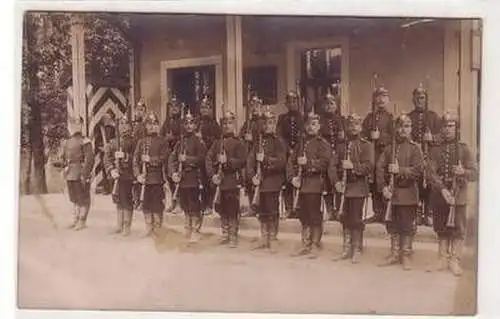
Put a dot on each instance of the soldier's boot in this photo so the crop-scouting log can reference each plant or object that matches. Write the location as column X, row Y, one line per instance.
column 346, row 246
column 82, row 218
column 316, row 234
column 119, row 222
column 443, row 255
column 148, row 220
column 456, row 252
column 127, row 221
column 233, row 232
column 274, row 227
column 157, row 222
column 264, row 236
column 393, row 257
column 76, row 216
column 406, row 252
column 306, row 242
column 356, row 246
column 196, row 226
column 188, row 225
column 224, row 239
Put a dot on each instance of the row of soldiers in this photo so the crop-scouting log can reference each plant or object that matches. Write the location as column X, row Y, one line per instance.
column 311, row 165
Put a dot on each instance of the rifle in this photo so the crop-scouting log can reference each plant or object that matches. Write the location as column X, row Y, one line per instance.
column 256, row 194
column 114, row 193
column 144, row 171
column 344, row 179
column 388, row 209
column 216, row 199
column 182, row 150
column 301, row 150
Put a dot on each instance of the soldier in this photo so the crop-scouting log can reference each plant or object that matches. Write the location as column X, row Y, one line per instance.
column 139, row 131
column 290, row 126
column 118, row 156
column 332, row 130
column 149, row 162
column 223, row 161
column 184, row 166
column 451, row 167
column 377, row 128
column 77, row 160
column 314, row 155
column 171, row 128
column 426, row 132
column 208, row 131
column 104, row 132
column 269, row 152
column 357, row 162
column 406, row 167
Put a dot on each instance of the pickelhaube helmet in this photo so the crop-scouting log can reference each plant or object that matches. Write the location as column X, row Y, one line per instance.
column 291, row 95
column 124, row 120
column 205, row 101
column 354, row 118
column 403, row 119
column 188, row 117
column 381, row 90
column 228, row 117
column 141, row 103
column 269, row 114
column 450, row 116
column 152, row 118
column 311, row 116
column 419, row 90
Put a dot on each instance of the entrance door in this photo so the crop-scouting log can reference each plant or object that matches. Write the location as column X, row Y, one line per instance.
column 191, row 84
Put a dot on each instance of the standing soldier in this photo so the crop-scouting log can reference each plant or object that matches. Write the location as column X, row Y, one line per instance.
column 118, row 155
column 377, row 128
column 403, row 160
column 356, row 158
column 139, row 131
column 77, row 160
column 104, row 132
column 224, row 160
column 332, row 130
column 426, row 132
column 307, row 169
column 290, row 127
column 184, row 165
column 451, row 167
column 266, row 165
column 208, row 131
column 149, row 160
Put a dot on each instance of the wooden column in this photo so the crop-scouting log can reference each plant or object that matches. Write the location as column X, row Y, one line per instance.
column 234, row 69
column 78, row 70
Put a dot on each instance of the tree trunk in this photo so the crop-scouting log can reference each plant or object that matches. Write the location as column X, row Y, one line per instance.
column 37, row 148
column 26, row 160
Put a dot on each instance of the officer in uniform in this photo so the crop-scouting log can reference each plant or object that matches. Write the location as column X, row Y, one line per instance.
column 356, row 158
column 377, row 128
column 224, row 160
column 77, row 160
column 290, row 127
column 451, row 167
column 332, row 130
column 315, row 156
column 139, row 131
column 149, row 162
column 118, row 155
column 208, row 130
column 407, row 168
column 184, row 165
column 426, row 132
column 268, row 152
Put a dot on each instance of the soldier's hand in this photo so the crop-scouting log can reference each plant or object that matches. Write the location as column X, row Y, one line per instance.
column 198, row 134
column 216, row 179
column 141, row 179
column 387, row 192
column 302, row 160
column 347, row 164
column 119, row 154
column 428, row 137
column 458, row 170
column 448, row 196
column 169, row 136
column 296, row 181
column 259, row 157
column 145, row 158
column 182, row 157
column 375, row 135
column 222, row 158
column 248, row 137
column 176, row 177
column 256, row 180
column 394, row 168
column 340, row 187
column 115, row 174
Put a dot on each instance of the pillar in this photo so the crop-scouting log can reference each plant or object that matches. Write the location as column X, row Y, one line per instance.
column 78, row 70
column 234, row 69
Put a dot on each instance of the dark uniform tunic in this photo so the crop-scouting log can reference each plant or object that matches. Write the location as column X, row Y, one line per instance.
column 442, row 158
column 189, row 191
column 157, row 149
column 406, row 189
column 253, row 126
column 171, row 130
column 124, row 200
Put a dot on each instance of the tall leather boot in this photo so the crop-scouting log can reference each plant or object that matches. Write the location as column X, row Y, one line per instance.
column 274, row 227
column 188, row 225
column 119, row 222
column 127, row 221
column 316, row 234
column 356, row 246
column 82, row 217
column 157, row 221
column 306, row 242
column 148, row 220
column 233, row 232
column 395, row 252
column 442, row 262
column 224, row 239
column 264, row 235
column 406, row 251
column 76, row 216
column 196, row 222
column 346, row 246
column 456, row 252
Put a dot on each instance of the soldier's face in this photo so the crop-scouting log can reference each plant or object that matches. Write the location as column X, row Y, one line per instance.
column 153, row 128
column 270, row 126
column 228, row 126
column 331, row 106
column 256, row 109
column 419, row 100
column 312, row 127
column 139, row 111
column 190, row 126
column 450, row 130
column 205, row 110
column 404, row 130
column 124, row 128
column 382, row 101
column 292, row 103
column 354, row 128
column 175, row 109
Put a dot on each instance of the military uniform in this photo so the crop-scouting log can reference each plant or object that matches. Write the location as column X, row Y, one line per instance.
column 405, row 194
column 189, row 185
column 118, row 155
column 104, row 132
column 442, row 160
column 271, row 179
column 380, row 121
column 359, row 152
column 77, row 160
column 138, row 132
column 314, row 174
column 151, row 153
column 229, row 203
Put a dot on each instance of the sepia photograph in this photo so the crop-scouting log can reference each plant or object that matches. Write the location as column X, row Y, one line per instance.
column 293, row 164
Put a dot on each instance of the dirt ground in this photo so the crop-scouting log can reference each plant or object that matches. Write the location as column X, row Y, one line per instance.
column 91, row 269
